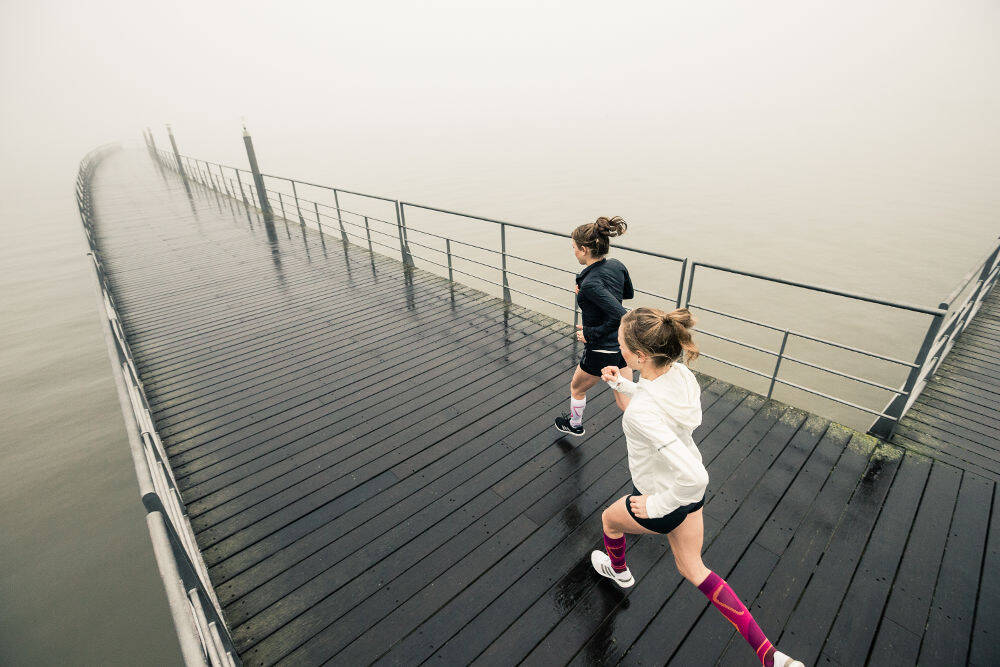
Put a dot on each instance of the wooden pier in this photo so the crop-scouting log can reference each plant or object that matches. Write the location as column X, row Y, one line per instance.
column 367, row 459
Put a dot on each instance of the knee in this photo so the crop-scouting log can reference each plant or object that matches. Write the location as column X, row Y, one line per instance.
column 691, row 569
column 606, row 520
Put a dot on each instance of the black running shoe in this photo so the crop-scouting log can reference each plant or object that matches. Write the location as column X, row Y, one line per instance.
column 562, row 423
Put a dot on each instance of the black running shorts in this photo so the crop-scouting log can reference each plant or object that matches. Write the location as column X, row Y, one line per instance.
column 592, row 362
column 663, row 524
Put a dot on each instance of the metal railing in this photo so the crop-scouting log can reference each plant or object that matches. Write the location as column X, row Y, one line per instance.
column 201, row 630
column 393, row 236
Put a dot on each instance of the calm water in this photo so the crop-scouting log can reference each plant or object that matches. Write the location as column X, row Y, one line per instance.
column 78, row 580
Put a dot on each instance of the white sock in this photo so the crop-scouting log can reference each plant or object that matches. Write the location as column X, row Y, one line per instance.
column 576, row 410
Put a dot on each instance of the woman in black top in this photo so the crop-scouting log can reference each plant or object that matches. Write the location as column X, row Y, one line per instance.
column 601, row 287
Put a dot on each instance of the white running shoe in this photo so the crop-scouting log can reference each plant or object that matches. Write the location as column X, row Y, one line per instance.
column 602, row 563
column 782, row 660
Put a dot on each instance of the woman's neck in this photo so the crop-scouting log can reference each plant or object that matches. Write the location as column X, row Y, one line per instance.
column 652, row 372
column 594, row 260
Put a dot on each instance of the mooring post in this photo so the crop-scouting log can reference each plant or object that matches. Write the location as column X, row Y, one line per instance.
column 177, row 153
column 258, row 180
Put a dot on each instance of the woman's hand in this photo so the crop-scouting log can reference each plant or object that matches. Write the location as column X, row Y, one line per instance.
column 638, row 504
column 579, row 333
column 610, row 374
column 576, row 288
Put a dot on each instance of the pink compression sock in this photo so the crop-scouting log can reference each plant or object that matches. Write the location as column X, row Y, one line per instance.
column 616, row 551
column 722, row 596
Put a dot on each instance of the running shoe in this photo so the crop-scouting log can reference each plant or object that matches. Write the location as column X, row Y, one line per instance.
column 562, row 424
column 782, row 660
column 602, row 563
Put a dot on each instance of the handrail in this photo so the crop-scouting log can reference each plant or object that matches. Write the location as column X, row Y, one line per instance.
column 198, row 619
column 820, row 288
column 937, row 340
column 967, row 278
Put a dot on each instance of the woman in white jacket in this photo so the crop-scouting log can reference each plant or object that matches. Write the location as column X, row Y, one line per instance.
column 668, row 476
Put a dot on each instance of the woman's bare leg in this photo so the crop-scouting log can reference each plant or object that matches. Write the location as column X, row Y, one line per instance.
column 582, row 383
column 686, row 542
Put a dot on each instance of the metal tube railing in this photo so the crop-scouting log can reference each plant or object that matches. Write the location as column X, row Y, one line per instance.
column 197, row 615
column 937, row 339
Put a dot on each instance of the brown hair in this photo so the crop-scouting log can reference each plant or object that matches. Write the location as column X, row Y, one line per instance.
column 663, row 336
column 595, row 235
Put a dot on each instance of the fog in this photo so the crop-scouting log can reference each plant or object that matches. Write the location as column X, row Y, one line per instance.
column 854, row 144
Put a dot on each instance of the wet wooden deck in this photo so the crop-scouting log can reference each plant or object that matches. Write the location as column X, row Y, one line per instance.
column 368, row 461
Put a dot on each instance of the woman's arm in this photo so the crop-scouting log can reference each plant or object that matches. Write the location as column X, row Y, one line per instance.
column 609, row 305
column 690, row 478
column 613, row 376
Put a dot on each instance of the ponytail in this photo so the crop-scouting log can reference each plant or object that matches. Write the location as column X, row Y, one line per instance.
column 596, row 235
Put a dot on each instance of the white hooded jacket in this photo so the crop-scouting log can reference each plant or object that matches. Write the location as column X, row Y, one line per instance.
column 664, row 461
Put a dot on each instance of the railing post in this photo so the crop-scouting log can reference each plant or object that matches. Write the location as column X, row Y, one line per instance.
column 152, row 141
column 404, row 249
column 687, row 300
column 242, row 193
column 318, row 222
column 979, row 291
column 885, row 427
column 258, row 180
column 177, row 153
column 680, row 283
column 368, row 233
column 281, row 200
column 777, row 364
column 503, row 262
column 295, row 192
column 340, row 220
column 447, row 247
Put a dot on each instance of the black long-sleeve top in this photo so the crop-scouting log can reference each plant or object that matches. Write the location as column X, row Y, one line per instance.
column 603, row 287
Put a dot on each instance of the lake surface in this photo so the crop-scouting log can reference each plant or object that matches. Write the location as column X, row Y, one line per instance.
column 79, row 583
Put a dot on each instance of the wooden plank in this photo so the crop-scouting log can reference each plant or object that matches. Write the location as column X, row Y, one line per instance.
column 913, row 587
column 854, row 628
column 927, row 415
column 947, row 634
column 895, row 645
column 808, row 539
column 969, row 453
column 985, row 649
column 817, row 607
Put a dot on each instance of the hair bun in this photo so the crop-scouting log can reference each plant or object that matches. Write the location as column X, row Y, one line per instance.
column 614, row 226
column 681, row 317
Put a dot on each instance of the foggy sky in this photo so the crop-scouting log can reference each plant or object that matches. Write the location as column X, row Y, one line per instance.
column 78, row 74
